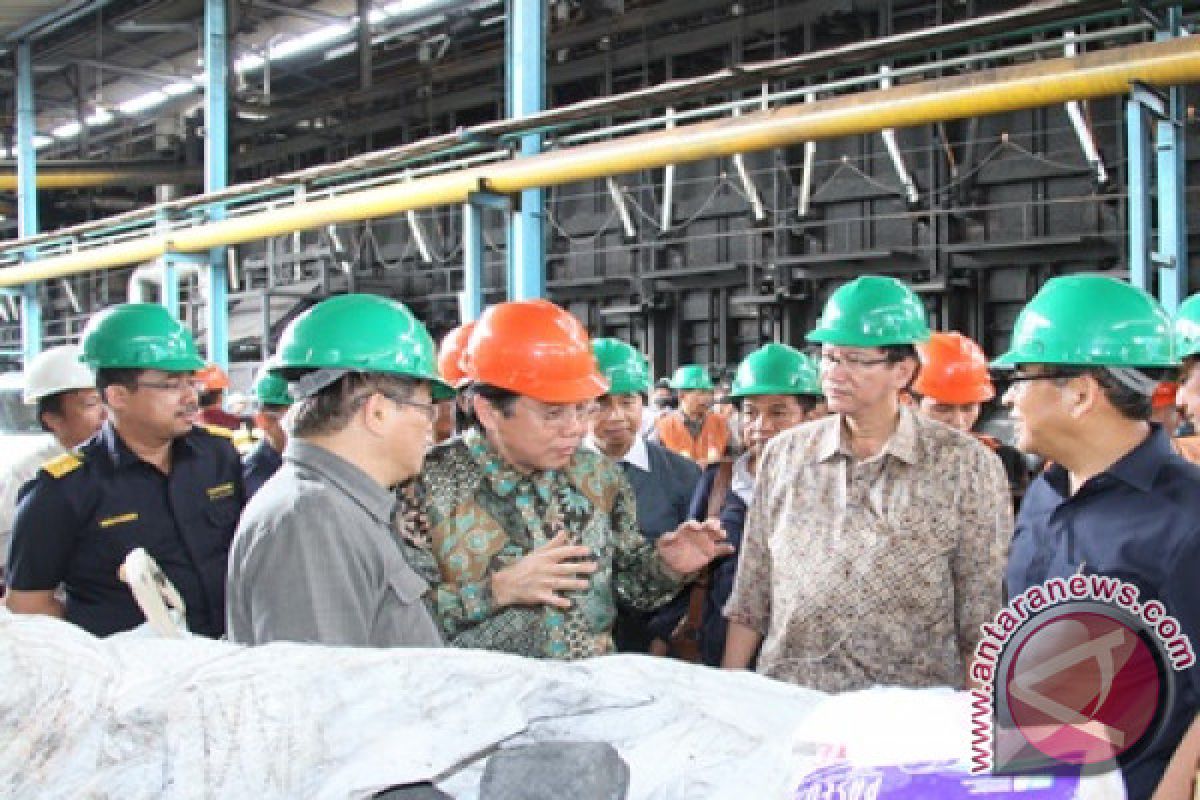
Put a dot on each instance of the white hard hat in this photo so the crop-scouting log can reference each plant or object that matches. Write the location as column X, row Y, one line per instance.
column 56, row 370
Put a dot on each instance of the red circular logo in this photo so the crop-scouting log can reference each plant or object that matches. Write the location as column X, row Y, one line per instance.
column 1082, row 687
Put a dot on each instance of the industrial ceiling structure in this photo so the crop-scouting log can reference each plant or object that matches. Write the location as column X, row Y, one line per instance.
column 701, row 261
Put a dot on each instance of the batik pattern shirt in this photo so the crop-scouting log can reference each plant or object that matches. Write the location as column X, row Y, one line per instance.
column 874, row 571
column 470, row 514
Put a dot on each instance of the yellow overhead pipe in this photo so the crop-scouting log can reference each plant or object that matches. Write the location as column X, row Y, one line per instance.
column 93, row 178
column 1040, row 83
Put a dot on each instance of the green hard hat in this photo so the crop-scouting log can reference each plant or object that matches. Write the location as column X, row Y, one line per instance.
column 872, row 311
column 627, row 370
column 138, row 336
column 691, row 377
column 776, row 369
column 361, row 333
column 271, row 388
column 1091, row 320
column 1187, row 328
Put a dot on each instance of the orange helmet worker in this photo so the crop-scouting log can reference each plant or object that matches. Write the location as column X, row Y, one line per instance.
column 953, row 385
column 525, row 527
column 450, row 353
column 211, row 382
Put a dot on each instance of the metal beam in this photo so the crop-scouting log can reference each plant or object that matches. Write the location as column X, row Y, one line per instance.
column 1171, row 138
column 302, row 13
column 216, row 171
column 525, row 79
column 1036, row 84
column 59, row 18
column 27, row 210
column 157, row 75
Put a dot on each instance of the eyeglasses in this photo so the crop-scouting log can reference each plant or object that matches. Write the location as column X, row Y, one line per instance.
column 561, row 416
column 1052, row 375
column 179, row 386
column 428, row 409
column 852, row 363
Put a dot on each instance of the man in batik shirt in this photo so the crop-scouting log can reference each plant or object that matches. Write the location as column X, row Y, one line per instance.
column 529, row 539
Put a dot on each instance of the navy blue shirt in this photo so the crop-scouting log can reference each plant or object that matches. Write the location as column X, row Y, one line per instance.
column 1138, row 521
column 662, row 496
column 663, row 493
column 263, row 462
column 713, row 625
column 79, row 519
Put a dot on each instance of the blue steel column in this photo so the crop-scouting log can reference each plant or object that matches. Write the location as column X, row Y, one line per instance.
column 525, row 57
column 1172, row 180
column 1138, row 190
column 216, row 169
column 472, row 305
column 27, row 217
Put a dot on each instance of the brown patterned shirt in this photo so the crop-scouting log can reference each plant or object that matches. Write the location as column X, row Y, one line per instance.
column 878, row 571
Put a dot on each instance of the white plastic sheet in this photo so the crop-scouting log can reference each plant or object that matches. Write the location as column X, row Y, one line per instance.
column 135, row 716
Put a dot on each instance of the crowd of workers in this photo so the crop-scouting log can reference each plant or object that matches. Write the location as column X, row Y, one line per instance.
column 833, row 520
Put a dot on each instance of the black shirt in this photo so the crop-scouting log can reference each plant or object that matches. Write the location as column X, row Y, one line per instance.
column 1138, row 521
column 84, row 513
column 263, row 462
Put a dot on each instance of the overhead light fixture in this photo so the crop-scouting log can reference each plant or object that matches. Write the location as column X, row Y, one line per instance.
column 143, row 102
column 179, row 88
column 68, row 131
column 100, row 117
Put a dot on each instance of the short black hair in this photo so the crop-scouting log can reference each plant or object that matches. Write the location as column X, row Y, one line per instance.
column 330, row 410
column 895, row 353
column 503, row 399
column 50, row 404
column 118, row 376
column 210, row 398
column 1128, row 403
column 807, row 402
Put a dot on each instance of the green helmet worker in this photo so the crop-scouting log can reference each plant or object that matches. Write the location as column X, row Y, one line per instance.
column 1086, row 356
column 778, row 388
column 693, row 430
column 902, row 519
column 523, row 525
column 150, row 478
column 363, row 373
column 662, row 481
column 271, row 392
column 1187, row 397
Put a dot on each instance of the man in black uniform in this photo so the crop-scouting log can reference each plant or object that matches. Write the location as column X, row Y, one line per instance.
column 149, row 478
column 267, row 456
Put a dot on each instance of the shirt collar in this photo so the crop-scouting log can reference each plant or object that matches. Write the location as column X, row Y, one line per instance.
column 1139, row 467
column 902, row 444
column 501, row 475
column 361, row 487
column 637, row 455
column 742, row 482
column 121, row 456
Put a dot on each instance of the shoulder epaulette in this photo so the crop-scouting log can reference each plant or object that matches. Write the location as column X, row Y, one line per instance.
column 61, row 465
column 217, row 430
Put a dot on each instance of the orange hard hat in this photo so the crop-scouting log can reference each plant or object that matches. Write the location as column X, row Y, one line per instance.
column 212, row 377
column 450, row 352
column 534, row 348
column 1164, row 395
column 953, row 370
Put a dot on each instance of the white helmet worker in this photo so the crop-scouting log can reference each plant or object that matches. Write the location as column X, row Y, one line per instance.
column 56, row 370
